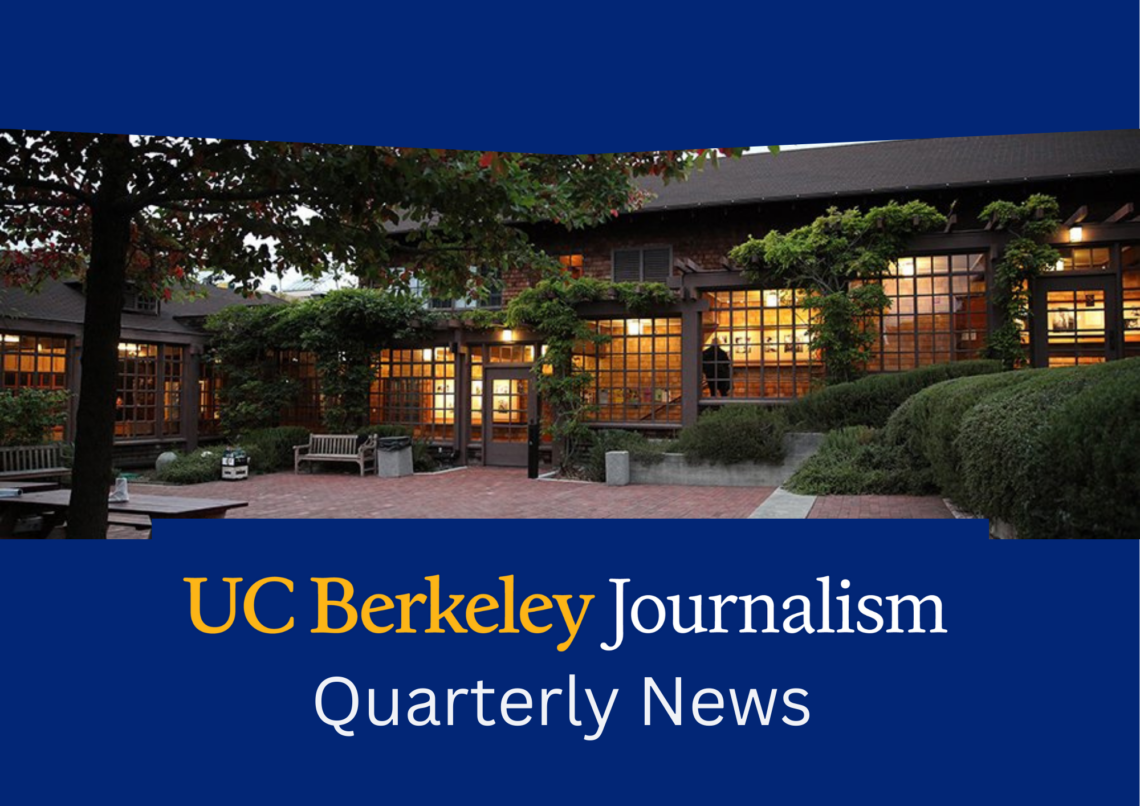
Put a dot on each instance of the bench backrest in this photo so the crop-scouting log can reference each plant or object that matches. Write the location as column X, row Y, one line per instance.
column 31, row 457
column 333, row 444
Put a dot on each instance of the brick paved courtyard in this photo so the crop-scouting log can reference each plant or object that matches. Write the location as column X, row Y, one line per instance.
column 479, row 492
column 475, row 492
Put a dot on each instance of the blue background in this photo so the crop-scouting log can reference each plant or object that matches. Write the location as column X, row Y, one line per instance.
column 110, row 691
column 588, row 76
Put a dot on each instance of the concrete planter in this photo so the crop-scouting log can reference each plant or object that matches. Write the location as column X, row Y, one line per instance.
column 621, row 469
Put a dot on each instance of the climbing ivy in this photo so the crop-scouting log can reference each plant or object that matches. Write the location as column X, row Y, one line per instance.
column 1027, row 254
column 550, row 310
column 839, row 258
column 343, row 330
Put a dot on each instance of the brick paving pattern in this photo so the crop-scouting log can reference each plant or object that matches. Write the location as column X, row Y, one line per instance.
column 893, row 507
column 475, row 492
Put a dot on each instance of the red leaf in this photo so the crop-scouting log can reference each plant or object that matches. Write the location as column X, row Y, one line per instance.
column 487, row 158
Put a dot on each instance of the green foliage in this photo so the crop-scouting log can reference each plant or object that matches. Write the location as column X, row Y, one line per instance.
column 1027, row 255
column 27, row 417
column 271, row 449
column 1058, row 456
column 840, row 257
column 549, row 309
column 594, row 465
column 197, row 467
column 343, row 330
column 422, row 459
column 872, row 400
column 734, row 434
column 856, row 460
column 925, row 427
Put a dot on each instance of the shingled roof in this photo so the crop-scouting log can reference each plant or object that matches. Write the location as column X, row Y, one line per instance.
column 63, row 301
column 902, row 165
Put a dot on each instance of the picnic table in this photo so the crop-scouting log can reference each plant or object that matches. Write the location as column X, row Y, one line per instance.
column 52, row 507
column 26, row 487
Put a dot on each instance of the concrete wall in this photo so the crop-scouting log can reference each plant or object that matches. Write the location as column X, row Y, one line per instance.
column 674, row 469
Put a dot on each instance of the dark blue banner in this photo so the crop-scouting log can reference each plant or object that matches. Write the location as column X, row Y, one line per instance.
column 573, row 78
column 1016, row 683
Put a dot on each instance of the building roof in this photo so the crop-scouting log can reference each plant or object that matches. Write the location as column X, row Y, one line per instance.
column 63, row 301
column 898, row 165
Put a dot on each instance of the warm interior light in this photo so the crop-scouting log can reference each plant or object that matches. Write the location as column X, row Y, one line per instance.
column 906, row 267
column 1060, row 265
column 1076, row 234
column 771, row 299
column 428, row 354
column 508, row 335
column 633, row 327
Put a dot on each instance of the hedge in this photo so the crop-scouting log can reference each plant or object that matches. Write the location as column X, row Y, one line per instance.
column 197, row 467
column 271, row 449
column 601, row 442
column 734, row 434
column 924, row 429
column 1058, row 455
column 870, row 401
column 857, row 461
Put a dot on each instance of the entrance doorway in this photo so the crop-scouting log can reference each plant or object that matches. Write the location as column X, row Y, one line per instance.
column 1075, row 321
column 509, row 404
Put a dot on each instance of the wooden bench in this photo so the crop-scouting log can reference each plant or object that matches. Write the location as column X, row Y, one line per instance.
column 336, row 448
column 32, row 462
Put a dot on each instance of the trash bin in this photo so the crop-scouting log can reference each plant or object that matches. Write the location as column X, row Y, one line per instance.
column 394, row 457
column 235, row 465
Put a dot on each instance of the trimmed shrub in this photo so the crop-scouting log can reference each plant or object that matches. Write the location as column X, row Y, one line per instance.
column 271, row 449
column 202, row 465
column 924, row 429
column 734, row 434
column 1058, row 456
column 857, row 461
column 27, row 417
column 601, row 442
column 870, row 401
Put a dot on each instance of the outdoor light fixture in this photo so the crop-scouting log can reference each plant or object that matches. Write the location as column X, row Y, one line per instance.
column 1060, row 265
column 1076, row 234
column 508, row 335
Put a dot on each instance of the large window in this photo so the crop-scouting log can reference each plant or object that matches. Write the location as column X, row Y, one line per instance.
column 938, row 312
column 755, row 345
column 416, row 388
column 209, row 412
column 136, row 404
column 1074, row 258
column 305, row 408
column 172, row 361
column 1130, row 266
column 636, row 376
column 33, row 362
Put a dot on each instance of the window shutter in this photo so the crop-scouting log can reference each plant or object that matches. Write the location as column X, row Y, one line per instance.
column 627, row 265
column 657, row 268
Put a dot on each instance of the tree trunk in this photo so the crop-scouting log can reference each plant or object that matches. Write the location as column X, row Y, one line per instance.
column 95, row 418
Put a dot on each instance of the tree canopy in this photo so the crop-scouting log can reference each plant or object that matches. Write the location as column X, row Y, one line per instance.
column 153, row 211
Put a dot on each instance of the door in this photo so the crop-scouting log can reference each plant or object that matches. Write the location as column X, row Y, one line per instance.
column 509, row 403
column 1075, row 321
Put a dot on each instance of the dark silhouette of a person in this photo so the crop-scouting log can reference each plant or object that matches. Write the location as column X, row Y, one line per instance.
column 717, row 367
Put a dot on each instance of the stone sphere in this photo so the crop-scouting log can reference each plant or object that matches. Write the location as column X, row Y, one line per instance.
column 164, row 460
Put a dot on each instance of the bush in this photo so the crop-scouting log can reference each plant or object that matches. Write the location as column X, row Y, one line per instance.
column 734, row 434
column 422, row 459
column 204, row 464
column 924, row 429
column 271, row 449
column 594, row 463
column 1058, row 455
column 28, row 417
column 870, row 401
column 857, row 461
